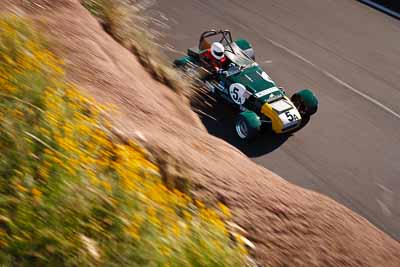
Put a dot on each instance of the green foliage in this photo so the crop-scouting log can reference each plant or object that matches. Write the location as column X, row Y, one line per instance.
column 71, row 193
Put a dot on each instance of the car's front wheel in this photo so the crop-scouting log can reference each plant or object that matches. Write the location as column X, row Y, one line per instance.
column 247, row 125
column 306, row 103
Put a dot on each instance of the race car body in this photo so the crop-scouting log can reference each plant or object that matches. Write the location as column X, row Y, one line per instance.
column 247, row 86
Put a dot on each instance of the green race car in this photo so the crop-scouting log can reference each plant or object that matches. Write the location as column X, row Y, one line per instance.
column 246, row 86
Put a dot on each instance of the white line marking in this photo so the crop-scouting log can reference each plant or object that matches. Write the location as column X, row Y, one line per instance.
column 336, row 79
column 385, row 200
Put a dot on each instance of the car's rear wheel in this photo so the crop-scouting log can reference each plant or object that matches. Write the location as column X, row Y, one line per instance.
column 247, row 125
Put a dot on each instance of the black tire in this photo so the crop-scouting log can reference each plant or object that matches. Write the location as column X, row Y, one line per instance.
column 299, row 104
column 305, row 102
column 304, row 110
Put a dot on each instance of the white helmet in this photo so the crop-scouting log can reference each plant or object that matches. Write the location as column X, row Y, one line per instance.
column 217, row 50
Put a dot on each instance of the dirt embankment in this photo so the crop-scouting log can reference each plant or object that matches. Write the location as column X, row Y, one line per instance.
column 290, row 226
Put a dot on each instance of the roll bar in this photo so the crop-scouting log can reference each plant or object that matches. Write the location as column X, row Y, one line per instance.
column 225, row 35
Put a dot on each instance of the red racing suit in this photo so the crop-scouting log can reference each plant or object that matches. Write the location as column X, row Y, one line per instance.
column 215, row 63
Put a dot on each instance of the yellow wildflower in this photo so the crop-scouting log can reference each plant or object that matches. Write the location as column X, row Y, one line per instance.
column 107, row 186
column 225, row 210
column 176, row 230
column 133, row 232
column 166, row 251
column 187, row 215
column 199, row 204
column 37, row 195
column 21, row 188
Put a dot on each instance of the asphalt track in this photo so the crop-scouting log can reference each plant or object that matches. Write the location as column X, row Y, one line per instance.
column 349, row 54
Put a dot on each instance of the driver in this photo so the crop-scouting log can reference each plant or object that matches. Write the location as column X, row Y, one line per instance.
column 215, row 57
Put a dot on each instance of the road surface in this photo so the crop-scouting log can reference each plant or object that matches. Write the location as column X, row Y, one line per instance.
column 349, row 54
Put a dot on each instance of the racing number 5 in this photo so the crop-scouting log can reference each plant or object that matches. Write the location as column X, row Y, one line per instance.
column 235, row 94
column 289, row 116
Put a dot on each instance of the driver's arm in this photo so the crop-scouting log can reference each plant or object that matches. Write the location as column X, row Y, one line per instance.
column 226, row 63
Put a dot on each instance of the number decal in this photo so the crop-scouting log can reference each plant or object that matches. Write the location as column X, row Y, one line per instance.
column 291, row 117
column 235, row 95
column 236, row 92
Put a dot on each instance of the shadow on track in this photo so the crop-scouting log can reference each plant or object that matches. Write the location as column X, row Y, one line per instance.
column 219, row 119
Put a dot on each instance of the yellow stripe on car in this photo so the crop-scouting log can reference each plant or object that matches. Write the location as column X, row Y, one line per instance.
column 277, row 124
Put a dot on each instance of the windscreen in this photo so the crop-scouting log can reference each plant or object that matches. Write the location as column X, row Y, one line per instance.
column 235, row 55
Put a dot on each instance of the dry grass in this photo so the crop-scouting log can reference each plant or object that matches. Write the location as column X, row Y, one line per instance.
column 117, row 18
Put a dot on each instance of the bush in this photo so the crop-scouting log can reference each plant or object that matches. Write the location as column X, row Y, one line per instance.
column 71, row 193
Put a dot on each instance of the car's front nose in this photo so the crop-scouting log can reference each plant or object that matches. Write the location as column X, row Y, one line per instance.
column 283, row 119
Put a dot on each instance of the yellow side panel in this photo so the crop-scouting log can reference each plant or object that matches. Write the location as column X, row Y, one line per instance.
column 277, row 125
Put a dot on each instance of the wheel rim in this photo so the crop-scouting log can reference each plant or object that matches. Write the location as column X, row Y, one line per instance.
column 241, row 129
